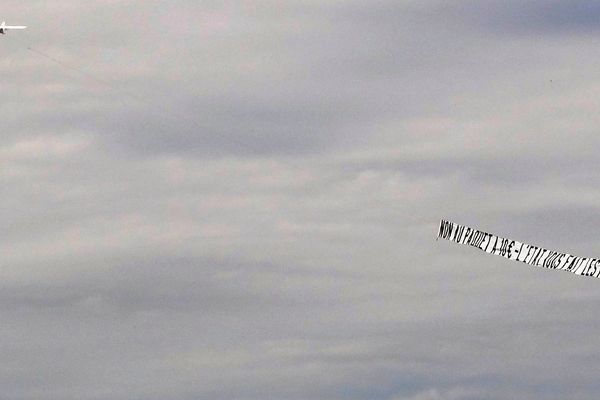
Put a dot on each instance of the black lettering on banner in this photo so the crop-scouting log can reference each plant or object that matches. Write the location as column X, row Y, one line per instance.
column 454, row 233
column 596, row 268
column 498, row 249
column 490, row 246
column 593, row 267
column 582, row 266
column 475, row 239
column 493, row 250
column 445, row 233
column 574, row 264
column 528, row 248
column 543, row 257
column 586, row 269
column 578, row 266
column 558, row 260
column 537, row 260
column 483, row 240
column 536, row 256
column 444, row 229
column 464, row 235
column 459, row 239
column 457, row 233
column 503, row 247
column 467, row 233
column 479, row 240
column 520, row 250
column 470, row 238
column 532, row 250
column 451, row 227
column 510, row 249
column 489, row 243
column 571, row 263
column 514, row 250
column 460, row 232
column 549, row 260
column 498, row 246
column 566, row 261
column 563, row 261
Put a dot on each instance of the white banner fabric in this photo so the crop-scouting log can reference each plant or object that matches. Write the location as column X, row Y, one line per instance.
column 517, row 251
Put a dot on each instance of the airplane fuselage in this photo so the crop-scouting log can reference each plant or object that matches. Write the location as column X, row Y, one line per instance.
column 5, row 28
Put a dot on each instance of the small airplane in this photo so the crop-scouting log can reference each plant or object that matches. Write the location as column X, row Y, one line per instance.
column 4, row 28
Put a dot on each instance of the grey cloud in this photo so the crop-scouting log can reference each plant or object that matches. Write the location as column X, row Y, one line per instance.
column 291, row 81
column 528, row 17
column 248, row 209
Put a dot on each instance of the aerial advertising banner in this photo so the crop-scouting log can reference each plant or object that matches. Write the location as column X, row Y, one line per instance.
column 517, row 251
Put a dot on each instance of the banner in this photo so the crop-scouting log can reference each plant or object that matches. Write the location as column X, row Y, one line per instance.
column 517, row 251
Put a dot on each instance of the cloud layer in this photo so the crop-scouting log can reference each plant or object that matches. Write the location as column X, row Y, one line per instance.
column 239, row 199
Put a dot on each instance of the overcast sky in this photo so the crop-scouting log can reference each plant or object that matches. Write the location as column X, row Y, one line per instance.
column 240, row 199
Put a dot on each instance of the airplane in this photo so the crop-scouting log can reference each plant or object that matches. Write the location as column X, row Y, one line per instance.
column 4, row 28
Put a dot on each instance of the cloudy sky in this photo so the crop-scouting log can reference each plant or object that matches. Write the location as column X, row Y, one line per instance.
column 240, row 199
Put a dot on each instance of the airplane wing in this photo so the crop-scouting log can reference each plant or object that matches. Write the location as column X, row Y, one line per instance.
column 14, row 27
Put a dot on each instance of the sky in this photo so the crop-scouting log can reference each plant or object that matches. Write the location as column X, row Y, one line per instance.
column 238, row 200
